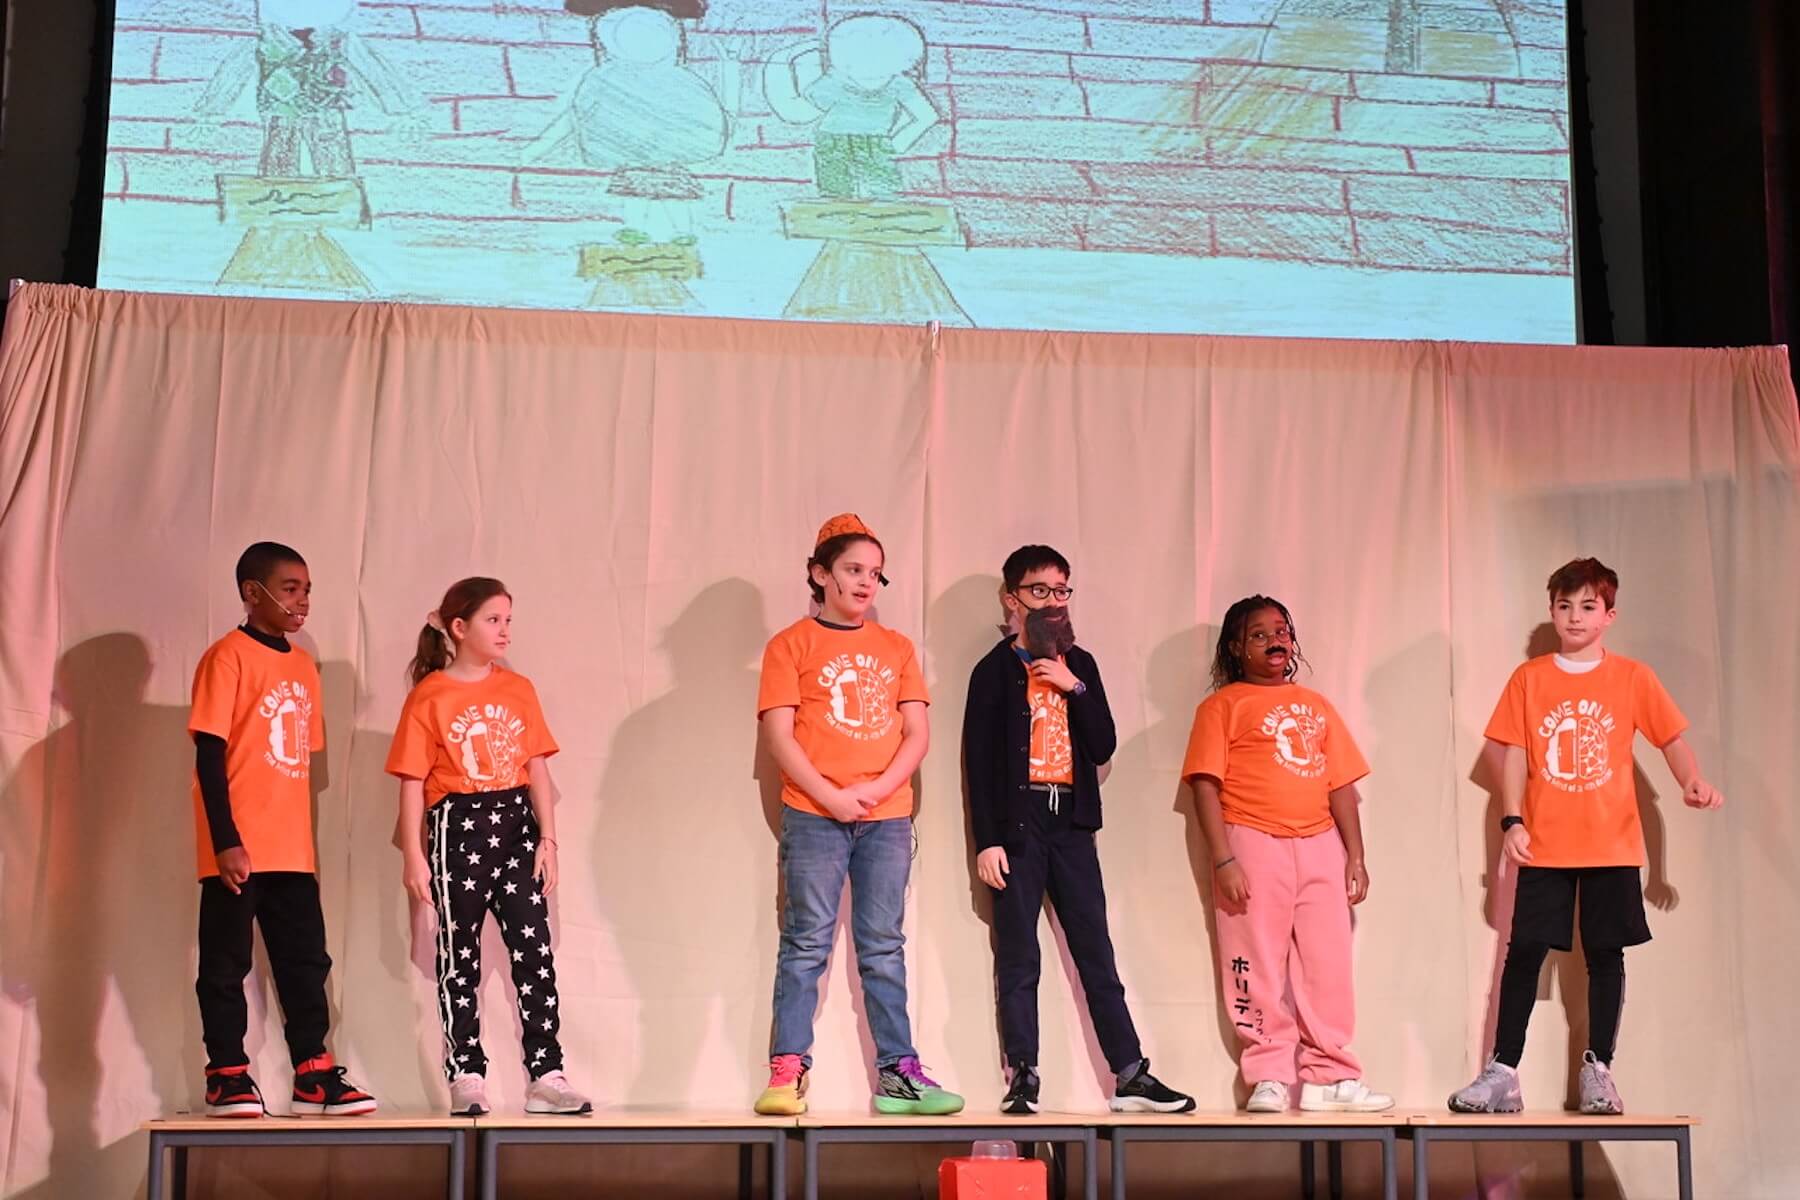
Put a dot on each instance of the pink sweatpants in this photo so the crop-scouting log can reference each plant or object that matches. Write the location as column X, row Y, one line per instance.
column 1295, row 932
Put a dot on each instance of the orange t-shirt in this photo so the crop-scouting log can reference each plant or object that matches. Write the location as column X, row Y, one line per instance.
column 846, row 687
column 1580, row 798
column 1278, row 754
column 1051, row 760
column 265, row 704
column 469, row 737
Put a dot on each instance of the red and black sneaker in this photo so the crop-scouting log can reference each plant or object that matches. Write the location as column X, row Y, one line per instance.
column 230, row 1092
column 320, row 1090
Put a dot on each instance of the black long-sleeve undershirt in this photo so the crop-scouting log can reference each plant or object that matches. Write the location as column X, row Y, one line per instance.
column 209, row 767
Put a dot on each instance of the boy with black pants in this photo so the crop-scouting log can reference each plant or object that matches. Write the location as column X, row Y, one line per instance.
column 255, row 723
column 1036, row 735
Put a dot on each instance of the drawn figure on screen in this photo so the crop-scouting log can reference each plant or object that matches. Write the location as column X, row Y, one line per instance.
column 645, row 115
column 309, row 69
column 863, row 96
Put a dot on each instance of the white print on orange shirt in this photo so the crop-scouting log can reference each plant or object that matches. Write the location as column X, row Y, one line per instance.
column 488, row 737
column 1299, row 733
column 1051, row 757
column 288, row 709
column 858, row 685
column 1576, row 757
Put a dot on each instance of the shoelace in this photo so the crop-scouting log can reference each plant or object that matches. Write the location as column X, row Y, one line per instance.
column 784, row 1070
column 337, row 1081
column 910, row 1070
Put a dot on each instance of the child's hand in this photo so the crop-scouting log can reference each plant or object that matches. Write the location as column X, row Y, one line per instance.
column 853, row 803
column 993, row 868
column 1054, row 673
column 1231, row 888
column 1356, row 881
column 1518, row 845
column 415, row 873
column 544, row 869
column 1701, row 794
column 234, row 868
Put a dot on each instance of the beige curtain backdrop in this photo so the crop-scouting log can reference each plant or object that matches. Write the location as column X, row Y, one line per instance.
column 648, row 487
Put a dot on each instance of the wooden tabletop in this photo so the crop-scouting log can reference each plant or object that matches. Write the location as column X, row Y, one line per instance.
column 190, row 1123
column 1557, row 1119
column 985, row 1119
column 638, row 1118
column 1240, row 1119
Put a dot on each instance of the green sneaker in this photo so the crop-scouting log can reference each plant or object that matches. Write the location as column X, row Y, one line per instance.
column 906, row 1091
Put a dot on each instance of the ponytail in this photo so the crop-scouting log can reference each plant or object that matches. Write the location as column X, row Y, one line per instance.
column 434, row 652
column 436, row 647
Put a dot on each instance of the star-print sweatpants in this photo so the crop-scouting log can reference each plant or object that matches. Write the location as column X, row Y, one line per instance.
column 482, row 846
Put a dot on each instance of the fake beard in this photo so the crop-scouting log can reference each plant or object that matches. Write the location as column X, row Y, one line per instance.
column 1048, row 633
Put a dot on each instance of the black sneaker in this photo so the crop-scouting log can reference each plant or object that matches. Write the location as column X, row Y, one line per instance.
column 321, row 1090
column 232, row 1093
column 1143, row 1092
column 1022, row 1097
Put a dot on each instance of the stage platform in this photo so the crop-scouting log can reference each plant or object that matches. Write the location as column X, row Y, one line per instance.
column 486, row 1137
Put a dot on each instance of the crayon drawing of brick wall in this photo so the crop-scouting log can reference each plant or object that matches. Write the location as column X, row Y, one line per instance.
column 1405, row 134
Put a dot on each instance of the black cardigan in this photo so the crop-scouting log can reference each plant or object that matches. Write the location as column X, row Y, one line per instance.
column 997, row 742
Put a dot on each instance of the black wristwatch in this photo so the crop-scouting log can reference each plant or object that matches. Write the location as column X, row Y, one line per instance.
column 1507, row 823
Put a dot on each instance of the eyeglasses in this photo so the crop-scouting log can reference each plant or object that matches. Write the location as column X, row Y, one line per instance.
column 1043, row 591
column 1263, row 637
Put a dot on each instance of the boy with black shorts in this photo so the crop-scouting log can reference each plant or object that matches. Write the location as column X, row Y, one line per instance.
column 1566, row 723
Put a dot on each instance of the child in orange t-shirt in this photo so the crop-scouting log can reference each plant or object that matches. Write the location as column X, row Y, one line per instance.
column 471, row 753
column 842, row 708
column 255, row 723
column 1564, row 728
column 1274, row 774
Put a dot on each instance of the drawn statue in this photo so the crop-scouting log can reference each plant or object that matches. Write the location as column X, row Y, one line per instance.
column 644, row 114
column 309, row 69
column 862, row 94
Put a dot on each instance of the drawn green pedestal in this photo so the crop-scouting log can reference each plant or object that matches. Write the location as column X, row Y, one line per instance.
column 647, row 275
column 872, row 266
column 286, row 243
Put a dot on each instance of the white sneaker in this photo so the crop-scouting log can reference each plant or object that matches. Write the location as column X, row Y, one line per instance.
column 1267, row 1096
column 468, row 1096
column 1349, row 1095
column 552, row 1093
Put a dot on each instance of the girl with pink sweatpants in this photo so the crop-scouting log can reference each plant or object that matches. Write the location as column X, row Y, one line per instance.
column 1274, row 774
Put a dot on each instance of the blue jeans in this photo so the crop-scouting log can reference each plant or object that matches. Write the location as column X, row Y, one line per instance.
column 816, row 854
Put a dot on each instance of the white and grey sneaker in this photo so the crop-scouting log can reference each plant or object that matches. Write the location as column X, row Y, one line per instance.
column 1346, row 1095
column 1267, row 1096
column 468, row 1096
column 1495, row 1090
column 552, row 1094
column 1599, row 1095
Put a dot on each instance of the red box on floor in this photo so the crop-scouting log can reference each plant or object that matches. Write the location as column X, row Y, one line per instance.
column 992, row 1179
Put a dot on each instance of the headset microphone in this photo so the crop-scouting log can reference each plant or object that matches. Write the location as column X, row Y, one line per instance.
column 271, row 595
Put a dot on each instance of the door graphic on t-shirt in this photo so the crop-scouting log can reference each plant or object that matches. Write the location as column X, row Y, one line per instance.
column 1293, row 741
column 1576, row 750
column 1051, row 757
column 287, row 707
column 847, row 699
column 857, row 700
column 286, row 742
column 487, row 743
column 478, row 753
column 1299, row 736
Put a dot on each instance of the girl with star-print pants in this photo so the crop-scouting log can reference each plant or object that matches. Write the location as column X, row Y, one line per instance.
column 480, row 846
